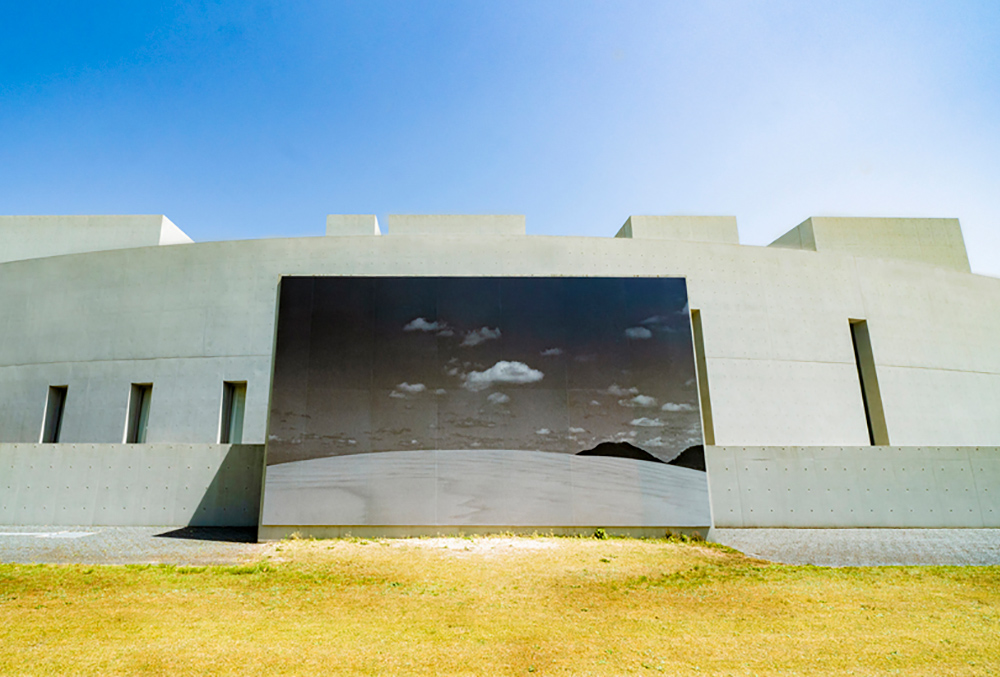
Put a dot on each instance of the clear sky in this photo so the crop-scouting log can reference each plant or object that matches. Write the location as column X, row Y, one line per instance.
column 244, row 120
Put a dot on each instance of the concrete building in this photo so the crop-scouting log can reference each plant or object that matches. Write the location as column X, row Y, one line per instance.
column 849, row 373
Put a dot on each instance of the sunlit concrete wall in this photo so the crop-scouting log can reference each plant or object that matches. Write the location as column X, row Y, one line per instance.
column 817, row 487
column 779, row 355
column 130, row 484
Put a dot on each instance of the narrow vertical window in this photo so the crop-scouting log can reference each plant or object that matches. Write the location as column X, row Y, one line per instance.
column 54, row 406
column 138, row 413
column 234, row 398
column 701, row 371
column 871, row 397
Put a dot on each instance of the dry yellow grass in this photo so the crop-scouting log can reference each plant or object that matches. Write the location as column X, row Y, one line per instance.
column 499, row 606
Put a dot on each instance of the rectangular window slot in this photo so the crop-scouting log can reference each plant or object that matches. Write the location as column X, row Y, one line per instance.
column 234, row 398
column 138, row 413
column 701, row 371
column 54, row 406
column 871, row 397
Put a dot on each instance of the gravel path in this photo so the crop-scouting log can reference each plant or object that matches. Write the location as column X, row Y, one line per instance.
column 192, row 546
column 866, row 547
column 195, row 546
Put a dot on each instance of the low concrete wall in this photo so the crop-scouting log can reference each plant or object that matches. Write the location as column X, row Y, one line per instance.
column 854, row 486
column 130, row 484
column 219, row 485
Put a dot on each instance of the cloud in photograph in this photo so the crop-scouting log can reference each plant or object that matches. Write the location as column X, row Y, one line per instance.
column 618, row 391
column 543, row 431
column 577, row 431
column 498, row 398
column 503, row 372
column 446, row 332
column 404, row 389
column 644, row 422
column 670, row 406
column 420, row 324
column 656, row 442
column 665, row 323
column 639, row 401
column 481, row 335
column 638, row 333
column 552, row 352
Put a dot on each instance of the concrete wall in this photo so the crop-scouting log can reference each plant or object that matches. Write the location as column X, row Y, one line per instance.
column 31, row 237
column 130, row 484
column 779, row 356
column 854, row 486
column 219, row 485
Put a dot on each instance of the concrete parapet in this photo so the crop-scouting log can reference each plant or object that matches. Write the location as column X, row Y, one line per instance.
column 714, row 229
column 837, row 487
column 130, row 484
column 352, row 224
column 450, row 225
column 33, row 237
column 935, row 241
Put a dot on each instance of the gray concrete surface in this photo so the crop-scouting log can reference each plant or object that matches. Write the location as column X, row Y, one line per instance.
column 866, row 547
column 189, row 546
column 215, row 485
column 847, row 487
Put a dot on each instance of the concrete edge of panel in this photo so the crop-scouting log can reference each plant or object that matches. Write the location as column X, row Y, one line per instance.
column 276, row 533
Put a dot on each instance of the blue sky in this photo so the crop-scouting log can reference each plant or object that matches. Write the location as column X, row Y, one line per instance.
column 244, row 120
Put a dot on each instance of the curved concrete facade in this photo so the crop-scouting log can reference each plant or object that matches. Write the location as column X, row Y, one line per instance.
column 777, row 345
column 779, row 362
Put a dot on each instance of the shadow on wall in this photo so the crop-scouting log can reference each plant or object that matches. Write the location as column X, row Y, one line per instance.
column 232, row 499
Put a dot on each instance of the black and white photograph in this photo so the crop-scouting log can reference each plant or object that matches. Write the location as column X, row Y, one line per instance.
column 598, row 366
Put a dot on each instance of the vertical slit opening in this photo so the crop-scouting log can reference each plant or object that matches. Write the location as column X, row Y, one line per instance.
column 54, row 405
column 701, row 375
column 234, row 397
column 871, row 397
column 138, row 413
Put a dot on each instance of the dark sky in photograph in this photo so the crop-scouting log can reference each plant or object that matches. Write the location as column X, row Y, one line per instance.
column 548, row 364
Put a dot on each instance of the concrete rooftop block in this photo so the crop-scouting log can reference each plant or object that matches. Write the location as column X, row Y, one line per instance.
column 352, row 224
column 462, row 225
column 715, row 229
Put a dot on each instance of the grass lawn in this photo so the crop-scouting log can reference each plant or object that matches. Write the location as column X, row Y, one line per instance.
column 498, row 605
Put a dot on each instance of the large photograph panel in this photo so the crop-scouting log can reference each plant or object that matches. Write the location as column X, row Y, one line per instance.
column 586, row 366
